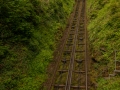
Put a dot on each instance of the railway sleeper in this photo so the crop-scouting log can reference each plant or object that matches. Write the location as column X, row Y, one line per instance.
column 81, row 23
column 69, row 44
column 71, row 34
column 73, row 26
column 81, row 38
column 72, row 29
column 82, row 19
column 76, row 13
column 70, row 39
column 74, row 21
column 81, row 26
column 68, row 47
column 79, row 71
column 68, row 51
column 80, row 51
column 81, row 33
column 59, row 86
column 65, row 61
column 79, row 87
column 79, row 61
column 81, row 30
column 74, row 87
column 81, row 44
column 76, row 10
column 62, row 71
column 75, row 18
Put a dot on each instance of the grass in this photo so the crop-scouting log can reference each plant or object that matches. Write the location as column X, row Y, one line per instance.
column 103, row 28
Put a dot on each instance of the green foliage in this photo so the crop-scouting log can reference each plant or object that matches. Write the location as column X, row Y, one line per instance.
column 104, row 33
column 28, row 31
column 16, row 20
column 104, row 27
column 110, row 84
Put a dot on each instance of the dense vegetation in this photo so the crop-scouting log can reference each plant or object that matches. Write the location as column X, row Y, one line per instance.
column 104, row 36
column 28, row 30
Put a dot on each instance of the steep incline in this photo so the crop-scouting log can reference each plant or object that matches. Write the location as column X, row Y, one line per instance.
column 70, row 69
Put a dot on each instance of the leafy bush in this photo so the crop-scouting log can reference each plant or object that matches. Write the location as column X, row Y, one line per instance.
column 103, row 27
column 27, row 40
column 110, row 84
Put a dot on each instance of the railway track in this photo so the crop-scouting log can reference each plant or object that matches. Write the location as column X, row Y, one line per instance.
column 71, row 69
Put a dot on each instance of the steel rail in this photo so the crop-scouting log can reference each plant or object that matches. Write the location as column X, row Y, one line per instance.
column 58, row 56
column 86, row 59
column 68, row 81
column 65, row 69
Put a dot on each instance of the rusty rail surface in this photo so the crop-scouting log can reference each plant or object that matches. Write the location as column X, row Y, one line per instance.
column 71, row 68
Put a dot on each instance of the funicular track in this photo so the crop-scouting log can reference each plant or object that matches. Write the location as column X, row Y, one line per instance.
column 71, row 70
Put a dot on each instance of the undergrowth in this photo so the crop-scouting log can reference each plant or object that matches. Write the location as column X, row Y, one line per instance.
column 104, row 33
column 28, row 31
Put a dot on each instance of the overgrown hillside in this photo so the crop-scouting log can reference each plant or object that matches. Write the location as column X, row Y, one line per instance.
column 28, row 32
column 104, row 36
